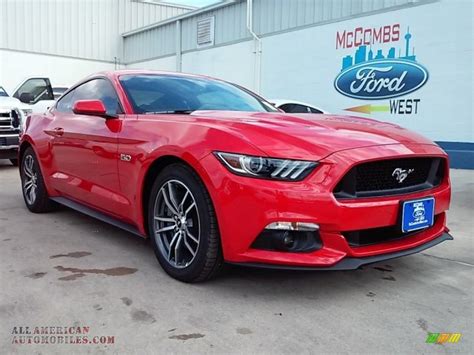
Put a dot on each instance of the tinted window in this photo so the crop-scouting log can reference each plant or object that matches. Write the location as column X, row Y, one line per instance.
column 3, row 92
column 313, row 110
column 66, row 102
column 297, row 108
column 34, row 90
column 168, row 93
column 99, row 89
column 286, row 107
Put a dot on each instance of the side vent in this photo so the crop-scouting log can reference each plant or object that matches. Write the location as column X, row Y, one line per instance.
column 205, row 32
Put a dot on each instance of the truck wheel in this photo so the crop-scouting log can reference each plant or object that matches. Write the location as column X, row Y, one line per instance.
column 183, row 225
column 32, row 183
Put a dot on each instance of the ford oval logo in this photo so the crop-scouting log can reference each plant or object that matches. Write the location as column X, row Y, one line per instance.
column 381, row 79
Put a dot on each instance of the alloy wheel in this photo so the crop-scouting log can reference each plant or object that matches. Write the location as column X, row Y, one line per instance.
column 30, row 179
column 176, row 224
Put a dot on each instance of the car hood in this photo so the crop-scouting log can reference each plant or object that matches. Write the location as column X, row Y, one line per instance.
column 11, row 102
column 306, row 136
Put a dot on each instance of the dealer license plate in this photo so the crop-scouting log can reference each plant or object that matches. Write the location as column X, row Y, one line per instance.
column 417, row 214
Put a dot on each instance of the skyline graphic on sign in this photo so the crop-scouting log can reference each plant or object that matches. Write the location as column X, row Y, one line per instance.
column 361, row 55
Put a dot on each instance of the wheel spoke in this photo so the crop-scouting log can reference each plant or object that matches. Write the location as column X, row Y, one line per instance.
column 28, row 184
column 189, row 248
column 176, row 249
column 164, row 219
column 189, row 208
column 183, row 200
column 192, row 237
column 28, row 173
column 172, row 196
column 164, row 229
column 167, row 202
column 171, row 245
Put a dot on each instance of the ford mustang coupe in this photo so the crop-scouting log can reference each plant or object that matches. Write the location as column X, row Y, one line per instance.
column 213, row 173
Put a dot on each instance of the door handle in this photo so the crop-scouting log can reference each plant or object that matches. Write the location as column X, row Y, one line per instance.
column 58, row 131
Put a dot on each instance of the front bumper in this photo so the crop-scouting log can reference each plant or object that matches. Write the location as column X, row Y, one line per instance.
column 350, row 263
column 9, row 146
column 245, row 206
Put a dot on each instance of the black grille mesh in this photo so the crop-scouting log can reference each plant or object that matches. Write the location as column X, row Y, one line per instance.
column 380, row 175
column 379, row 178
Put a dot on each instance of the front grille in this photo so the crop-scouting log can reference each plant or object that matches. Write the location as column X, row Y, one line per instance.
column 371, row 236
column 9, row 140
column 9, row 119
column 390, row 177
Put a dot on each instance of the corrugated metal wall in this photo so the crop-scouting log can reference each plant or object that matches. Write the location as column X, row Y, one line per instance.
column 79, row 28
column 270, row 16
column 280, row 15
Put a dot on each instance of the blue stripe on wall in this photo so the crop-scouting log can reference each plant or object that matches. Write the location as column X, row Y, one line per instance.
column 461, row 154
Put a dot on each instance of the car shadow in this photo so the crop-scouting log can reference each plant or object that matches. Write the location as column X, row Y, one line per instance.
column 248, row 281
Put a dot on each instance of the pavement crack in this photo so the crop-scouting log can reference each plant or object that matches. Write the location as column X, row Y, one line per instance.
column 448, row 259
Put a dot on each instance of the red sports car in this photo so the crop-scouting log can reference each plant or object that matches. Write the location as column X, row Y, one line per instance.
column 212, row 172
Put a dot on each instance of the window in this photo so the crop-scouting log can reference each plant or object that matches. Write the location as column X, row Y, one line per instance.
column 58, row 91
column 99, row 89
column 297, row 108
column 3, row 92
column 286, row 107
column 34, row 90
column 169, row 93
column 66, row 102
column 314, row 110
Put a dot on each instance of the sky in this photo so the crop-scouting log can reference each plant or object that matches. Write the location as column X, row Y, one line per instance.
column 196, row 3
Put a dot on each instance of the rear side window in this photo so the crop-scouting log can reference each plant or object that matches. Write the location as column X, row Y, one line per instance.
column 66, row 102
column 99, row 89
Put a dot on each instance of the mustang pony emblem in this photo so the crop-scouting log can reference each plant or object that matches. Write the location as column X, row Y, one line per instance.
column 401, row 174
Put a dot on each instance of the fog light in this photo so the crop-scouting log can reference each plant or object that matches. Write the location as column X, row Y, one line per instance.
column 294, row 237
column 293, row 226
column 288, row 240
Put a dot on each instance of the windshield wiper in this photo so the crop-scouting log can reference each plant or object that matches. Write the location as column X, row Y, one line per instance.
column 170, row 112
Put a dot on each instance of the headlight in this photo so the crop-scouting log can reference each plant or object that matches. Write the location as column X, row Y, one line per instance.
column 267, row 168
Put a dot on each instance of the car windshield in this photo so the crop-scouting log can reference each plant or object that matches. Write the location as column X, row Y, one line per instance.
column 3, row 92
column 151, row 93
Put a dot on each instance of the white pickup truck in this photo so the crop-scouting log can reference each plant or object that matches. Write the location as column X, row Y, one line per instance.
column 32, row 95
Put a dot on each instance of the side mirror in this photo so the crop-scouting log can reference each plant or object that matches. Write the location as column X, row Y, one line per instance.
column 26, row 97
column 91, row 108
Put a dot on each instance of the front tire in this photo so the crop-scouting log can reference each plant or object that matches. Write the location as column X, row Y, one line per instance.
column 183, row 225
column 32, row 184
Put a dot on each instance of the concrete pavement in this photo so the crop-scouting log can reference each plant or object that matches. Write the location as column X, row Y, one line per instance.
column 64, row 269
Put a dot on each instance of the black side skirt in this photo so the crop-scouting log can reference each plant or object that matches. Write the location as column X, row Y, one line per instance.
column 96, row 214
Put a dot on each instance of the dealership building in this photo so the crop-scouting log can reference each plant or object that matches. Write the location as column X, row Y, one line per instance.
column 408, row 62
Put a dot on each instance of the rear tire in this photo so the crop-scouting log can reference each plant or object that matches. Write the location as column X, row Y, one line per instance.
column 183, row 225
column 14, row 162
column 32, row 184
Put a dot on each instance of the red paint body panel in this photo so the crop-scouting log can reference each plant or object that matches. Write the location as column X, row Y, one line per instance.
column 80, row 159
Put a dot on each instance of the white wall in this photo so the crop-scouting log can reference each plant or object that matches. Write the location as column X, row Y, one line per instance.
column 15, row 66
column 166, row 64
column 234, row 63
column 302, row 65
